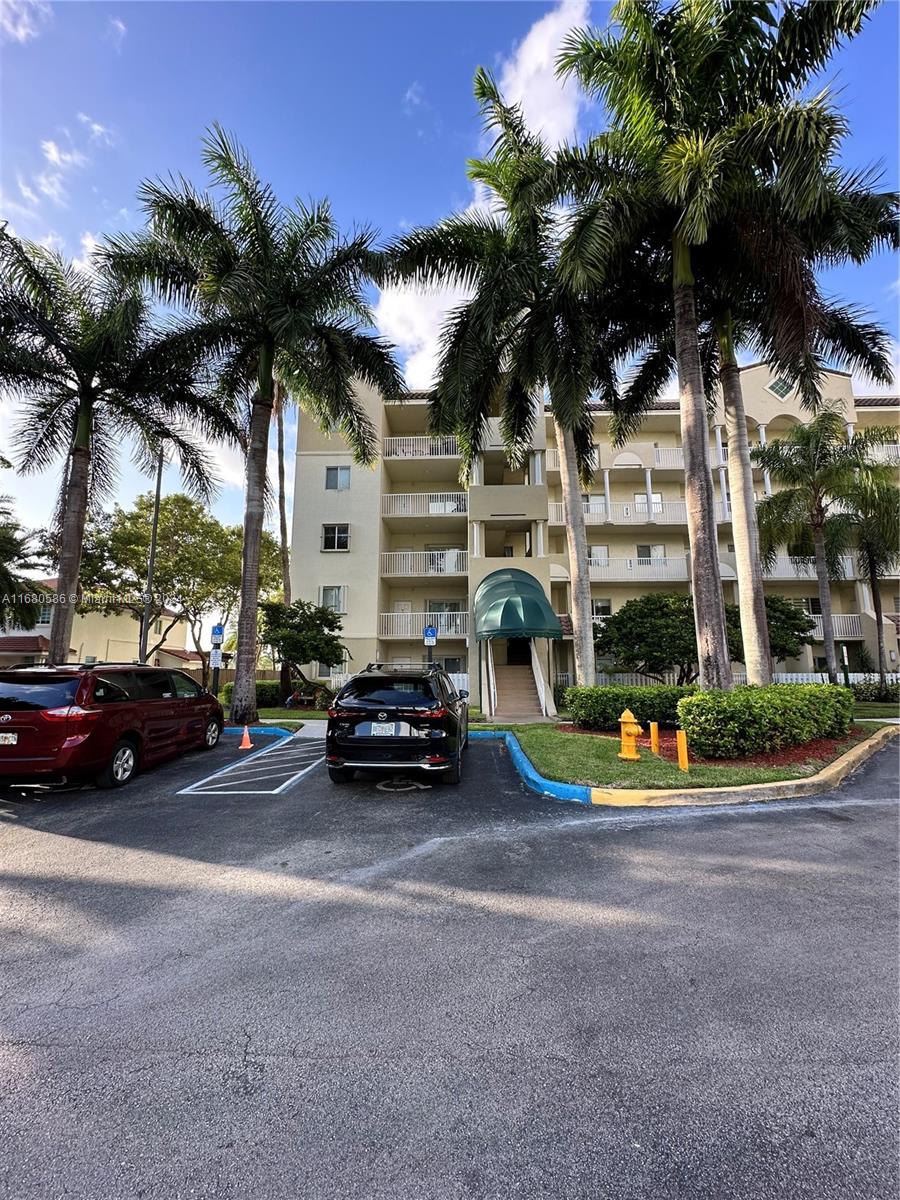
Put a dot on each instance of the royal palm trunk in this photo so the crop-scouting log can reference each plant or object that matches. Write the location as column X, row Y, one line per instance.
column 825, row 601
column 706, row 583
column 243, row 697
column 579, row 567
column 877, row 608
column 72, row 535
column 745, row 529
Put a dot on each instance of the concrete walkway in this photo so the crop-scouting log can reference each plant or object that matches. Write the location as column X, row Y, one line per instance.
column 312, row 729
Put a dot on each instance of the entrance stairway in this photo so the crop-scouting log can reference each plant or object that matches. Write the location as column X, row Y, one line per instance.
column 517, row 697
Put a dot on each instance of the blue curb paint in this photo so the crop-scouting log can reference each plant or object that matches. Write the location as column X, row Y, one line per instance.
column 259, row 730
column 572, row 792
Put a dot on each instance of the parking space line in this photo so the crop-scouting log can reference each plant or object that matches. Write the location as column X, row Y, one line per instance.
column 224, row 790
column 281, row 758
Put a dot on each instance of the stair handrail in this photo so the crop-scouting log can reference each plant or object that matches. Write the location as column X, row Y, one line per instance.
column 492, row 679
column 538, row 673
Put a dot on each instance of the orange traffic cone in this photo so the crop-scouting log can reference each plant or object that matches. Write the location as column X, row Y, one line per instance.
column 246, row 744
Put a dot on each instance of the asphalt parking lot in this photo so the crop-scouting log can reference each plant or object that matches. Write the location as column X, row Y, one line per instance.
column 451, row 992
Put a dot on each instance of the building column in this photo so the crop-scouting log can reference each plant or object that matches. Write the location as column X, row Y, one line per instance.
column 606, row 499
column 477, row 539
column 537, row 467
column 723, row 491
column 720, row 448
column 648, row 487
column 540, row 539
column 477, row 477
column 767, row 480
column 851, row 429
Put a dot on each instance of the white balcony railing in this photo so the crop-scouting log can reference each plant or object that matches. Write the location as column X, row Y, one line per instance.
column 411, row 624
column 846, row 625
column 637, row 568
column 552, row 459
column 667, row 512
column 789, row 567
column 424, row 504
column 421, row 447
column 425, row 562
column 669, row 456
column 889, row 453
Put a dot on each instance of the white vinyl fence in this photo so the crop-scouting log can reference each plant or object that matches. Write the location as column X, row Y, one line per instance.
column 633, row 679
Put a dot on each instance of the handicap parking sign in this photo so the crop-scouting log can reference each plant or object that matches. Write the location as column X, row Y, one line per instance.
column 429, row 633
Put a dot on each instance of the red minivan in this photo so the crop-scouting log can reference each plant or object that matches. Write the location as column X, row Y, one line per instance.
column 102, row 722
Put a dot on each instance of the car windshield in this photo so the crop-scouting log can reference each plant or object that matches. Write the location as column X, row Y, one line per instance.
column 32, row 695
column 399, row 693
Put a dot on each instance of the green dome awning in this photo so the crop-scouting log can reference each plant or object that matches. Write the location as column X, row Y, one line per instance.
column 511, row 603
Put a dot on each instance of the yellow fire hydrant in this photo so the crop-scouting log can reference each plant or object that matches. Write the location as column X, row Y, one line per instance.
column 630, row 730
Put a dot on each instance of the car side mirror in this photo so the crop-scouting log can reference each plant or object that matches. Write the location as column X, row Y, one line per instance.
column 464, row 695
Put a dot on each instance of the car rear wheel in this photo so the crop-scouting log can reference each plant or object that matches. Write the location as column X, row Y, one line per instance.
column 121, row 766
column 341, row 774
column 212, row 734
column 454, row 775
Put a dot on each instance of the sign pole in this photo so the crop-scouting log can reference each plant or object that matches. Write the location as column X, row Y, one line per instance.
column 429, row 636
column 215, row 656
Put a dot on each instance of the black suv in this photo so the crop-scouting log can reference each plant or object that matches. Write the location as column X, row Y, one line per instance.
column 397, row 718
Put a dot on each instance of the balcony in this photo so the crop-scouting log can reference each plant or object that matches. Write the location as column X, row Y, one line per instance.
column 669, row 456
column 668, row 512
column 552, row 460
column 409, row 625
column 625, row 570
column 789, row 567
column 846, row 625
column 424, row 504
column 425, row 562
column 420, row 447
column 889, row 453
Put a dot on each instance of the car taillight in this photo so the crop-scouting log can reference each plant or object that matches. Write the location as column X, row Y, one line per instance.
column 73, row 712
column 426, row 714
column 334, row 712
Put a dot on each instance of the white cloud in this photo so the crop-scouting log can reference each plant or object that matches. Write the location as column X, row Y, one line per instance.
column 413, row 96
column 863, row 386
column 50, row 184
column 25, row 191
column 98, row 132
column 51, row 241
column 64, row 159
column 412, row 320
column 115, row 32
column 22, row 20
column 529, row 78
column 84, row 262
column 10, row 207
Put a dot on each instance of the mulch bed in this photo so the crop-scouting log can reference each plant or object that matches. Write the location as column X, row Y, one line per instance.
column 823, row 749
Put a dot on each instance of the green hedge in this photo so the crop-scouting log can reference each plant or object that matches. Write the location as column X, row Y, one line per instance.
column 872, row 693
column 760, row 720
column 601, row 707
column 268, row 693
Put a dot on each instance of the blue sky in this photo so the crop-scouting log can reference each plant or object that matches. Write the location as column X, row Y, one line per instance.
column 368, row 103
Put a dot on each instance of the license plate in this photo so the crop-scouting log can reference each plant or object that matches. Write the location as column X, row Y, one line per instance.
column 382, row 730
column 8, row 739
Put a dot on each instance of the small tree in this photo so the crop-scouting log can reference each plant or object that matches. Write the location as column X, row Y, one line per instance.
column 654, row 635
column 302, row 633
column 17, row 553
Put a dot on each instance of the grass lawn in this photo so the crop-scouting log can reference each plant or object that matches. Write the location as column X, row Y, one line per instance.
column 292, row 714
column 591, row 760
column 866, row 710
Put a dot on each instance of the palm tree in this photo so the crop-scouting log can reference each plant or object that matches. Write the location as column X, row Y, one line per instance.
column 703, row 101
column 90, row 369
column 818, row 472
column 873, row 507
column 17, row 554
column 525, row 330
column 276, row 294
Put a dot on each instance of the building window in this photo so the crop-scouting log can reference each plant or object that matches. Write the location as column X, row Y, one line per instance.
column 44, row 615
column 157, row 626
column 648, row 552
column 813, row 605
column 337, row 479
column 640, row 501
column 601, row 608
column 598, row 554
column 781, row 387
column 335, row 537
column 335, row 598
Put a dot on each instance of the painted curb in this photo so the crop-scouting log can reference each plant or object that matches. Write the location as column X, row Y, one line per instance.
column 823, row 781
column 260, row 730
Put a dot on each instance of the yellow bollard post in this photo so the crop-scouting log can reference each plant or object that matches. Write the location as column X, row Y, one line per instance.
column 681, row 741
column 630, row 730
column 654, row 737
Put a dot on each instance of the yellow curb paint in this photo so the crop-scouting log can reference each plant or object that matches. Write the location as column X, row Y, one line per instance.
column 782, row 789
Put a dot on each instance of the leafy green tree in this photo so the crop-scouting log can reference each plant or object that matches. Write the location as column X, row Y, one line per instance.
column 818, row 473
column 274, row 294
column 873, row 508
column 707, row 110
column 655, row 635
column 525, row 330
column 302, row 633
column 198, row 566
column 18, row 553
column 89, row 369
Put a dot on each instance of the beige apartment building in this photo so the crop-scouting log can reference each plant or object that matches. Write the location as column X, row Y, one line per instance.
column 403, row 545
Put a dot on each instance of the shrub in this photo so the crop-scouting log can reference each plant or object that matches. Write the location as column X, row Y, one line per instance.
column 601, row 707
column 268, row 693
column 871, row 691
column 762, row 720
